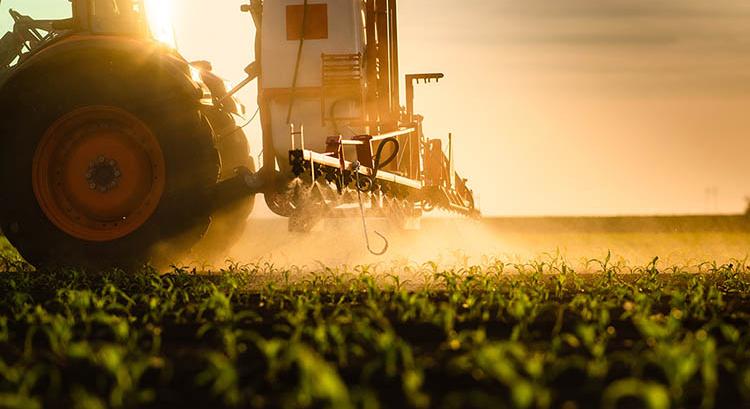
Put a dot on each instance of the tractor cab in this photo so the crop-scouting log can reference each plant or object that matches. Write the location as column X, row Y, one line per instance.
column 126, row 17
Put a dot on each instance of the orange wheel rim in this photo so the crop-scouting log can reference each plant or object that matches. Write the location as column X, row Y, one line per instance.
column 98, row 173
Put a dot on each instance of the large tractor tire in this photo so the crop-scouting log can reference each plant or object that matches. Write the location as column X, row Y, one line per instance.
column 106, row 160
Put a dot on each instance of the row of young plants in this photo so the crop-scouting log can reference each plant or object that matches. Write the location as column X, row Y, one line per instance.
column 529, row 336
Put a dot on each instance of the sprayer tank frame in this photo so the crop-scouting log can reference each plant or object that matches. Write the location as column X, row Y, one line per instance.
column 367, row 28
column 313, row 52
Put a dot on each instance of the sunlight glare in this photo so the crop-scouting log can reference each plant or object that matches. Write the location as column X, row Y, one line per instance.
column 159, row 14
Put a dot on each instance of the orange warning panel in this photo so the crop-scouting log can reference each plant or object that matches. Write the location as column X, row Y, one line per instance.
column 315, row 22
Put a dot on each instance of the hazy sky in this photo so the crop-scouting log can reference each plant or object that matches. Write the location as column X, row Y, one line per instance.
column 558, row 106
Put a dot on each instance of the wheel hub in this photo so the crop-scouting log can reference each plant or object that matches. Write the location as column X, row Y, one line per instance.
column 99, row 173
column 103, row 174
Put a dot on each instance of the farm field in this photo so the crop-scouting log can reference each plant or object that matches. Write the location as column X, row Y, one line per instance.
column 279, row 204
column 525, row 326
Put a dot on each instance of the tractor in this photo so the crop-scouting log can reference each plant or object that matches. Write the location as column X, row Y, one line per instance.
column 117, row 151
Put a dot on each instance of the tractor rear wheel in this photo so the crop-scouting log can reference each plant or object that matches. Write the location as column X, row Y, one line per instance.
column 105, row 166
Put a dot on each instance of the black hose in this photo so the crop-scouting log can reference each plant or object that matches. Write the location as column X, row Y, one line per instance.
column 378, row 162
column 298, row 63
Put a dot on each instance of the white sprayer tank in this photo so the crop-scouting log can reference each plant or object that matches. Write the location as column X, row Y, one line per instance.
column 332, row 27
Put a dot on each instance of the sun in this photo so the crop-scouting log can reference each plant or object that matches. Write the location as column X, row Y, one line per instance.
column 159, row 14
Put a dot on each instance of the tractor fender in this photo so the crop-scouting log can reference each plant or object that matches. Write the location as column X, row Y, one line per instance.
column 142, row 50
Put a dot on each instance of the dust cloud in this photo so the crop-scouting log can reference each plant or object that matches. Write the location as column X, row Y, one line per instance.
column 690, row 242
column 342, row 241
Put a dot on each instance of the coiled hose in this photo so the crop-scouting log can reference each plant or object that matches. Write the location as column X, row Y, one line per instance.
column 367, row 183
